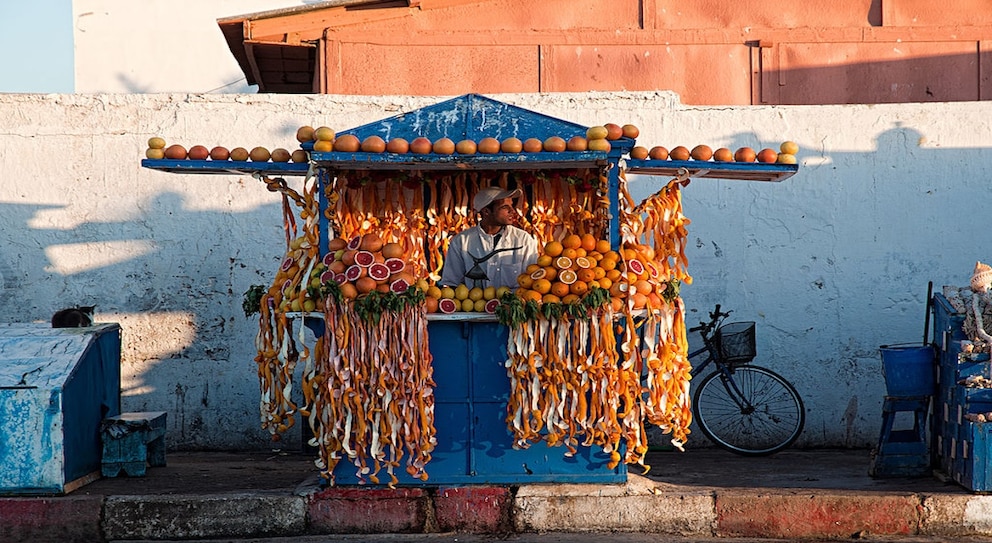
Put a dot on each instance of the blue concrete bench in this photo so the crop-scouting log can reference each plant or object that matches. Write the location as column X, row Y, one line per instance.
column 132, row 441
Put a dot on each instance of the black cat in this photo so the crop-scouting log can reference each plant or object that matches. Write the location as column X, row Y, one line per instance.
column 73, row 317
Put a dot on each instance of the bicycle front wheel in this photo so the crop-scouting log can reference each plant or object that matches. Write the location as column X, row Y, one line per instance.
column 760, row 413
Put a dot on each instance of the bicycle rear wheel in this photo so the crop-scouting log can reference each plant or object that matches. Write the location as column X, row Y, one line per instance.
column 767, row 418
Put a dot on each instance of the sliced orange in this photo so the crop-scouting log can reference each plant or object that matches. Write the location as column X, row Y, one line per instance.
column 538, row 274
column 583, row 262
column 563, row 262
column 531, row 268
column 567, row 276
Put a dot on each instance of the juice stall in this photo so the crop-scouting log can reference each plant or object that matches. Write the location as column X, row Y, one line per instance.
column 411, row 382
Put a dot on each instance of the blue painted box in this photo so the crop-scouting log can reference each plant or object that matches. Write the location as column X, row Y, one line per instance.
column 56, row 386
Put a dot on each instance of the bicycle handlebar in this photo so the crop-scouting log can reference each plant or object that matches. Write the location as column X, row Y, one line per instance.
column 715, row 317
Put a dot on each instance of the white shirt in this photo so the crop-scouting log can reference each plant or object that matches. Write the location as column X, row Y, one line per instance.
column 502, row 268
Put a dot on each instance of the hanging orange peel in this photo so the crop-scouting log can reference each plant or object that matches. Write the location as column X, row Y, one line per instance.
column 586, row 373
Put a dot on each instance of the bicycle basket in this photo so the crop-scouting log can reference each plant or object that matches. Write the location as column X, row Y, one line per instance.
column 735, row 342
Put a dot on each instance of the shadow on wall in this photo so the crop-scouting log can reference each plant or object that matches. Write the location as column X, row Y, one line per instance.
column 173, row 278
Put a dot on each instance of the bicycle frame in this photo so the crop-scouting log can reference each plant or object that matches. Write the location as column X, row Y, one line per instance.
column 725, row 370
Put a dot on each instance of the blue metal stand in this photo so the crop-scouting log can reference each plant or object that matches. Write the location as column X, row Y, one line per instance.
column 902, row 453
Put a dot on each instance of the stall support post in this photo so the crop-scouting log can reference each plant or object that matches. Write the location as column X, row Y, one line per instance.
column 613, row 174
column 323, row 182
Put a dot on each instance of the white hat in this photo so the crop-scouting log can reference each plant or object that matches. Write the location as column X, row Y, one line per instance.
column 489, row 195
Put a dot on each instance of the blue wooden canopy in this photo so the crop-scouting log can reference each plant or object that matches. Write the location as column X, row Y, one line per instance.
column 470, row 116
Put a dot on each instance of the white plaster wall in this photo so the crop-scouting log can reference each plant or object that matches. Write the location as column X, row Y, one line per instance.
column 831, row 263
column 155, row 47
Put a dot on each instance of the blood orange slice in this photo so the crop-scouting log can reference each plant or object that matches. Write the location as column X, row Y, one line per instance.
column 378, row 271
column 340, row 278
column 635, row 266
column 399, row 286
column 354, row 272
column 329, row 259
column 354, row 243
column 491, row 305
column 287, row 264
column 447, row 305
column 327, row 276
column 395, row 264
column 364, row 258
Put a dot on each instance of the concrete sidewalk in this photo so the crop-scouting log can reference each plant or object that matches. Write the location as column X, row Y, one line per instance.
column 700, row 493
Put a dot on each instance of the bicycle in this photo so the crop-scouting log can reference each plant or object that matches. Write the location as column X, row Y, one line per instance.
column 746, row 409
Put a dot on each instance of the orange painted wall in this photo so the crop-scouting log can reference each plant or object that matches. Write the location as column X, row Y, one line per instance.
column 708, row 51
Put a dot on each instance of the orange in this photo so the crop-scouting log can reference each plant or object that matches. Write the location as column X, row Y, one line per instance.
column 532, row 295
column 542, row 285
column 545, row 260
column 531, row 268
column 579, row 288
column 603, row 246
column 550, row 299
column 568, row 252
column 613, row 274
column 586, row 275
column 643, row 287
column 639, row 300
column 581, row 252
column 559, row 289
column 524, row 281
column 570, row 299
column 572, row 241
column 589, row 242
column 599, row 272
column 608, row 263
column 616, row 303
column 348, row 290
column 605, row 282
column 553, row 248
column 550, row 273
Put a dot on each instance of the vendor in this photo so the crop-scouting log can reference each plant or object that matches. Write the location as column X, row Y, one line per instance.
column 494, row 251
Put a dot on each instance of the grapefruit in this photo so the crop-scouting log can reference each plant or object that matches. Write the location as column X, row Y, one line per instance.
column 596, row 133
column 533, row 145
column 701, row 153
column 395, row 265
column 373, row 144
column 220, row 153
column 489, row 146
column 466, row 147
column 680, row 152
column 347, row 143
column 379, row 272
column 745, row 154
column 658, row 153
column 613, row 131
column 768, row 156
column 392, row 250
column 599, row 145
column 304, row 134
column 639, row 153
column 155, row 154
column 421, row 146
column 156, row 143
column 511, row 145
column 577, row 143
column 175, row 152
column 630, row 131
column 723, row 155
column 239, row 154
column 555, row 144
column 444, row 146
column 280, row 155
column 259, row 154
column 787, row 147
column 447, row 305
column 364, row 258
column 398, row 145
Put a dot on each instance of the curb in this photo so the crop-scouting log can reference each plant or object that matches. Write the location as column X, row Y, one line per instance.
column 640, row 505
